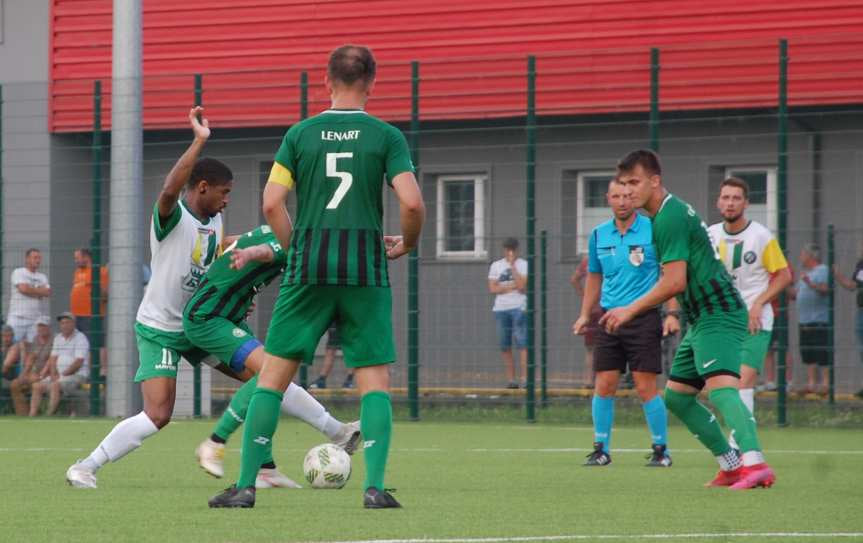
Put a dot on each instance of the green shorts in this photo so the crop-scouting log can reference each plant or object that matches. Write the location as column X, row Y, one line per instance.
column 304, row 312
column 711, row 346
column 755, row 348
column 229, row 342
column 159, row 352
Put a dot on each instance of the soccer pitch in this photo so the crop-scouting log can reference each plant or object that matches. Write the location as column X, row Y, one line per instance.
column 482, row 483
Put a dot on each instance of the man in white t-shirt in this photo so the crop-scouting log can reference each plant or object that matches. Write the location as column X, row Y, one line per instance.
column 67, row 367
column 507, row 280
column 29, row 298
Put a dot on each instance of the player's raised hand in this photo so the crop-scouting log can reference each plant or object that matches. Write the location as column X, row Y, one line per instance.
column 395, row 247
column 200, row 125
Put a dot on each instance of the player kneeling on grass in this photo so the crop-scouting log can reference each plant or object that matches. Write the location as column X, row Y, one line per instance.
column 709, row 354
column 622, row 267
column 337, row 264
column 214, row 321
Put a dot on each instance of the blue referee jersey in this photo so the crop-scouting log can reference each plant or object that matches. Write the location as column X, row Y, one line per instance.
column 627, row 262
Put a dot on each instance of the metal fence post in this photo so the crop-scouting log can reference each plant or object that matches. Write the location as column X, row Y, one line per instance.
column 543, row 322
column 304, row 112
column 413, row 259
column 530, row 396
column 782, row 205
column 196, row 372
column 654, row 99
column 831, row 301
column 97, row 338
column 1, row 196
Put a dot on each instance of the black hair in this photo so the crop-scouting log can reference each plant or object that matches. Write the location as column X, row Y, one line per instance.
column 213, row 171
column 645, row 157
column 510, row 243
column 351, row 63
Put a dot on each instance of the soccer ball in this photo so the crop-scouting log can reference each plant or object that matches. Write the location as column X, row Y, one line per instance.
column 327, row 466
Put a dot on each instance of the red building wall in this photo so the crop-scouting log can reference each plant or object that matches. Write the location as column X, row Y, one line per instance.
column 592, row 55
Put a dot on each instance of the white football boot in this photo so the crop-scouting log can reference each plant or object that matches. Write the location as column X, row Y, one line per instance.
column 210, row 455
column 273, row 478
column 348, row 437
column 80, row 477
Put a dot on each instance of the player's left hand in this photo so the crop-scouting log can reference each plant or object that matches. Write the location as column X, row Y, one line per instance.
column 755, row 318
column 240, row 257
column 395, row 247
column 615, row 318
column 670, row 326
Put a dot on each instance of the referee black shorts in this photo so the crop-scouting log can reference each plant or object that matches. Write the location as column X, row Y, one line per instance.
column 638, row 342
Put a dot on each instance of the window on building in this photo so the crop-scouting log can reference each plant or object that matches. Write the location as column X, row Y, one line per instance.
column 460, row 217
column 762, row 192
column 590, row 207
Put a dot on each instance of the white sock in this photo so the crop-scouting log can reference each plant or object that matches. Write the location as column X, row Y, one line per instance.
column 299, row 403
column 121, row 440
column 748, row 397
column 728, row 461
column 751, row 458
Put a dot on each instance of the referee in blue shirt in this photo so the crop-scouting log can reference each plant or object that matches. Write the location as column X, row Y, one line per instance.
column 622, row 266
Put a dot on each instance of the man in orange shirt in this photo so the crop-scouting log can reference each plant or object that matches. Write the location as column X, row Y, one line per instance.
column 80, row 301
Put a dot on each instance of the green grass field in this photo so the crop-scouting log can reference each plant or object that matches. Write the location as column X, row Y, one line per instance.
column 457, row 482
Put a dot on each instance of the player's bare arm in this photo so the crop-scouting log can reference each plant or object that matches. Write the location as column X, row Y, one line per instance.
column 671, row 283
column 276, row 213
column 779, row 281
column 179, row 174
column 412, row 211
column 671, row 323
column 592, row 291
column 257, row 253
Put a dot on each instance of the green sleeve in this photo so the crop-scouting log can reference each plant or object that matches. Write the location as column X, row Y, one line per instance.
column 162, row 230
column 286, row 155
column 671, row 236
column 280, row 256
column 398, row 155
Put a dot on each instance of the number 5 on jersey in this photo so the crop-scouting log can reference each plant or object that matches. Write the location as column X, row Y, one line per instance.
column 345, row 178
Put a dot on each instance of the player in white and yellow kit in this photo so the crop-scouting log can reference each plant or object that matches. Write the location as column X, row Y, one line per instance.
column 755, row 261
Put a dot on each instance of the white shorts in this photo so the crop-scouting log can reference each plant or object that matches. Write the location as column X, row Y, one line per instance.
column 24, row 327
column 68, row 383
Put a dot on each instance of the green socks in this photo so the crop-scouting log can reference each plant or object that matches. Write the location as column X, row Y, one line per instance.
column 376, row 425
column 700, row 421
column 737, row 416
column 235, row 414
column 261, row 422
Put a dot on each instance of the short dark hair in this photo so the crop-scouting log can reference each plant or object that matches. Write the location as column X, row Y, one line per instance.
column 736, row 182
column 644, row 157
column 213, row 171
column 351, row 63
column 510, row 243
column 30, row 251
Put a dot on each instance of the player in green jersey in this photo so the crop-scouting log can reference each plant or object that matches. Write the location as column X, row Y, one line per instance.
column 709, row 354
column 337, row 263
column 214, row 320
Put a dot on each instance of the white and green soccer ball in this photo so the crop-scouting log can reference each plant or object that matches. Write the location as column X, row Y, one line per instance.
column 327, row 466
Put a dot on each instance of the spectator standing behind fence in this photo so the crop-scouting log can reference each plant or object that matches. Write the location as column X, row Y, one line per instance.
column 770, row 358
column 507, row 279
column 66, row 369
column 333, row 346
column 10, row 353
column 813, row 317
column 855, row 282
column 30, row 291
column 35, row 360
column 622, row 267
column 80, row 297
column 577, row 280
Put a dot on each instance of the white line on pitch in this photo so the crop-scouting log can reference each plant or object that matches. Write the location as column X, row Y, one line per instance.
column 582, row 537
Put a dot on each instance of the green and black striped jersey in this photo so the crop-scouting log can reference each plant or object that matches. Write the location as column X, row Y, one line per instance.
column 339, row 161
column 228, row 293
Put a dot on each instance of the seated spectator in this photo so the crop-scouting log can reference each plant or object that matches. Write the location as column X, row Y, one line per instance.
column 67, row 366
column 34, row 362
column 10, row 353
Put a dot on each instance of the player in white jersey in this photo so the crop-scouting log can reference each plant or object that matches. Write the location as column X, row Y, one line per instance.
column 754, row 259
column 185, row 238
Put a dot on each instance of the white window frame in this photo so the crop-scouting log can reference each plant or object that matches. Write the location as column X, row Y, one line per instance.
column 772, row 211
column 479, row 251
column 581, row 199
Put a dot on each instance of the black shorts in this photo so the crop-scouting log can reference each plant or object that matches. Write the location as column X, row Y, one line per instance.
column 814, row 344
column 638, row 342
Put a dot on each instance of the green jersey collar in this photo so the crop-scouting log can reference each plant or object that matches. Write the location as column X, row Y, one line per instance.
column 664, row 201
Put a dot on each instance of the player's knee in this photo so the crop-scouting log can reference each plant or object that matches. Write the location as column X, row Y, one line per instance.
column 160, row 415
column 678, row 402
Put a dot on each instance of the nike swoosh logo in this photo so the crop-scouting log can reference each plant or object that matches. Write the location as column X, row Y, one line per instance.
column 708, row 363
